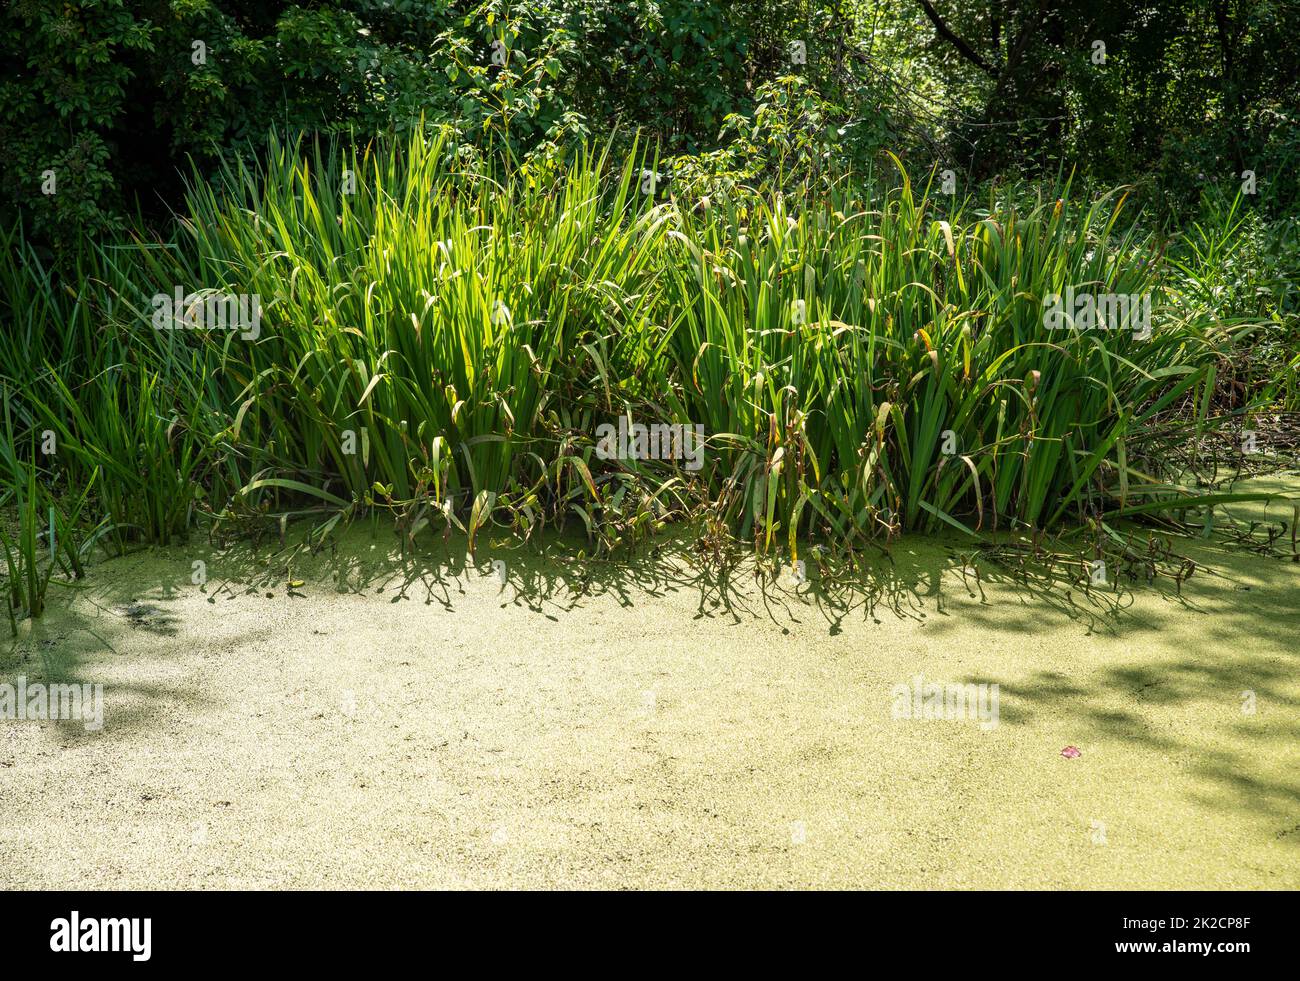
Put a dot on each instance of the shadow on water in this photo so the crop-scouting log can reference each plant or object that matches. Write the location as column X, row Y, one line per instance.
column 916, row 580
column 1230, row 664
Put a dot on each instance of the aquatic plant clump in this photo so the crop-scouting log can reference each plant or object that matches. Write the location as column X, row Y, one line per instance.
column 334, row 332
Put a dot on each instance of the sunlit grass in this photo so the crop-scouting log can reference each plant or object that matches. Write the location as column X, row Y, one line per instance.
column 442, row 345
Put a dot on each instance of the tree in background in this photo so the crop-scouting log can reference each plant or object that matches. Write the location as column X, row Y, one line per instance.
column 104, row 105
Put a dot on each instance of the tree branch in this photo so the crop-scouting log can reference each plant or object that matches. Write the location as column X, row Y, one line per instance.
column 949, row 35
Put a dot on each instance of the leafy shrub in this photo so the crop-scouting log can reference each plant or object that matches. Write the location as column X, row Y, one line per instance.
column 64, row 82
column 136, row 89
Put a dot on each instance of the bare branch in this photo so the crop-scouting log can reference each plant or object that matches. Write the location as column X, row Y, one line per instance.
column 951, row 36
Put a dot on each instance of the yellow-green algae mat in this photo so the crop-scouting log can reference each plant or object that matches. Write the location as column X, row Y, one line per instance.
column 428, row 723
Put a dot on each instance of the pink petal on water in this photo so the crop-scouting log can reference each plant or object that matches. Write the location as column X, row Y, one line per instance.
column 1070, row 752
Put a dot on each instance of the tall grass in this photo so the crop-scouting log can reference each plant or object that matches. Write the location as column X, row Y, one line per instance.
column 1231, row 266
column 454, row 319
column 28, row 563
column 841, row 344
column 443, row 344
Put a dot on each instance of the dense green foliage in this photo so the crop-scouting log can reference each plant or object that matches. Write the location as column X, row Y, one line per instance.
column 114, row 98
column 822, row 230
column 445, row 344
